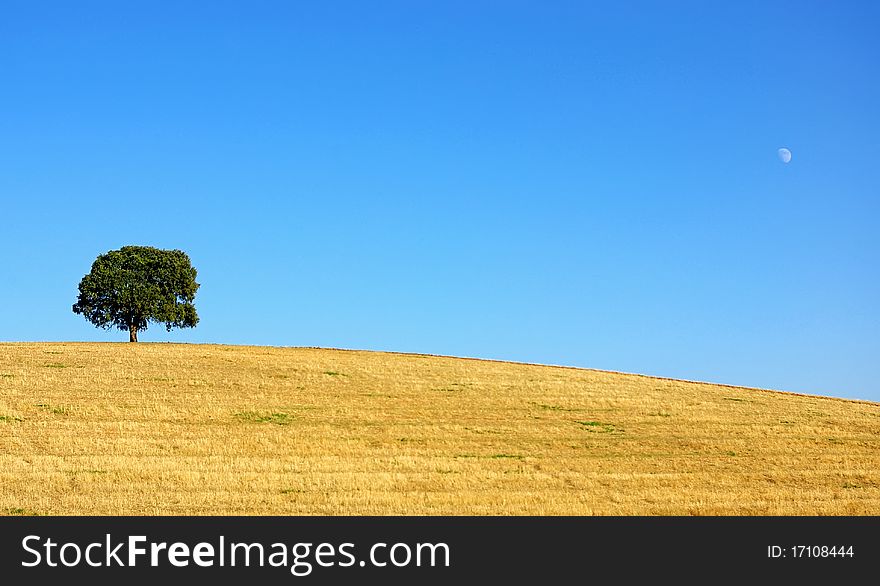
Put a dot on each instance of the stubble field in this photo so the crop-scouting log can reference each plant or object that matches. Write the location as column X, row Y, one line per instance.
column 161, row 429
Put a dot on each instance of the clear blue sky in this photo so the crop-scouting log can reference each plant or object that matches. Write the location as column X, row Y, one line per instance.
column 590, row 184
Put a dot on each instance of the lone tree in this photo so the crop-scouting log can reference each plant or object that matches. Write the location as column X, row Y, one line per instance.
column 134, row 285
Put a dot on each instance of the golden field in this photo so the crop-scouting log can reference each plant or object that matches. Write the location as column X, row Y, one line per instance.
column 161, row 429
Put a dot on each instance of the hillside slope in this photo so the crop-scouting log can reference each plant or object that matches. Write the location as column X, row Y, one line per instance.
column 202, row 429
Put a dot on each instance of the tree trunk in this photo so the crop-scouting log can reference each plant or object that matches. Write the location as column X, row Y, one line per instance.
column 132, row 333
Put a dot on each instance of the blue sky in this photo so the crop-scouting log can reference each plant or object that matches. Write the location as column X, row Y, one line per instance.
column 590, row 184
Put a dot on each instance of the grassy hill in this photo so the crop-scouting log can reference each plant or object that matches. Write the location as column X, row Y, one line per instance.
column 201, row 429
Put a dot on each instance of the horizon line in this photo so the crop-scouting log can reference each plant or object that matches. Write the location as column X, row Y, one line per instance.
column 473, row 358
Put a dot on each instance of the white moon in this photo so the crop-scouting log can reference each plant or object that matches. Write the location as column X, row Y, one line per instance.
column 784, row 155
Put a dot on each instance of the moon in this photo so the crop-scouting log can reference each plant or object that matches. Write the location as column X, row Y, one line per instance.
column 784, row 155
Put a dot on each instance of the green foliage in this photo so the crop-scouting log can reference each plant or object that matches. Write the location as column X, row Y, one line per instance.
column 135, row 285
column 19, row 512
column 598, row 426
column 254, row 417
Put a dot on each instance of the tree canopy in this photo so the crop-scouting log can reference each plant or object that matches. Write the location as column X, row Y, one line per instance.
column 135, row 285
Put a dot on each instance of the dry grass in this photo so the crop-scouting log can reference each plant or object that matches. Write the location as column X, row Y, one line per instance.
column 155, row 429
